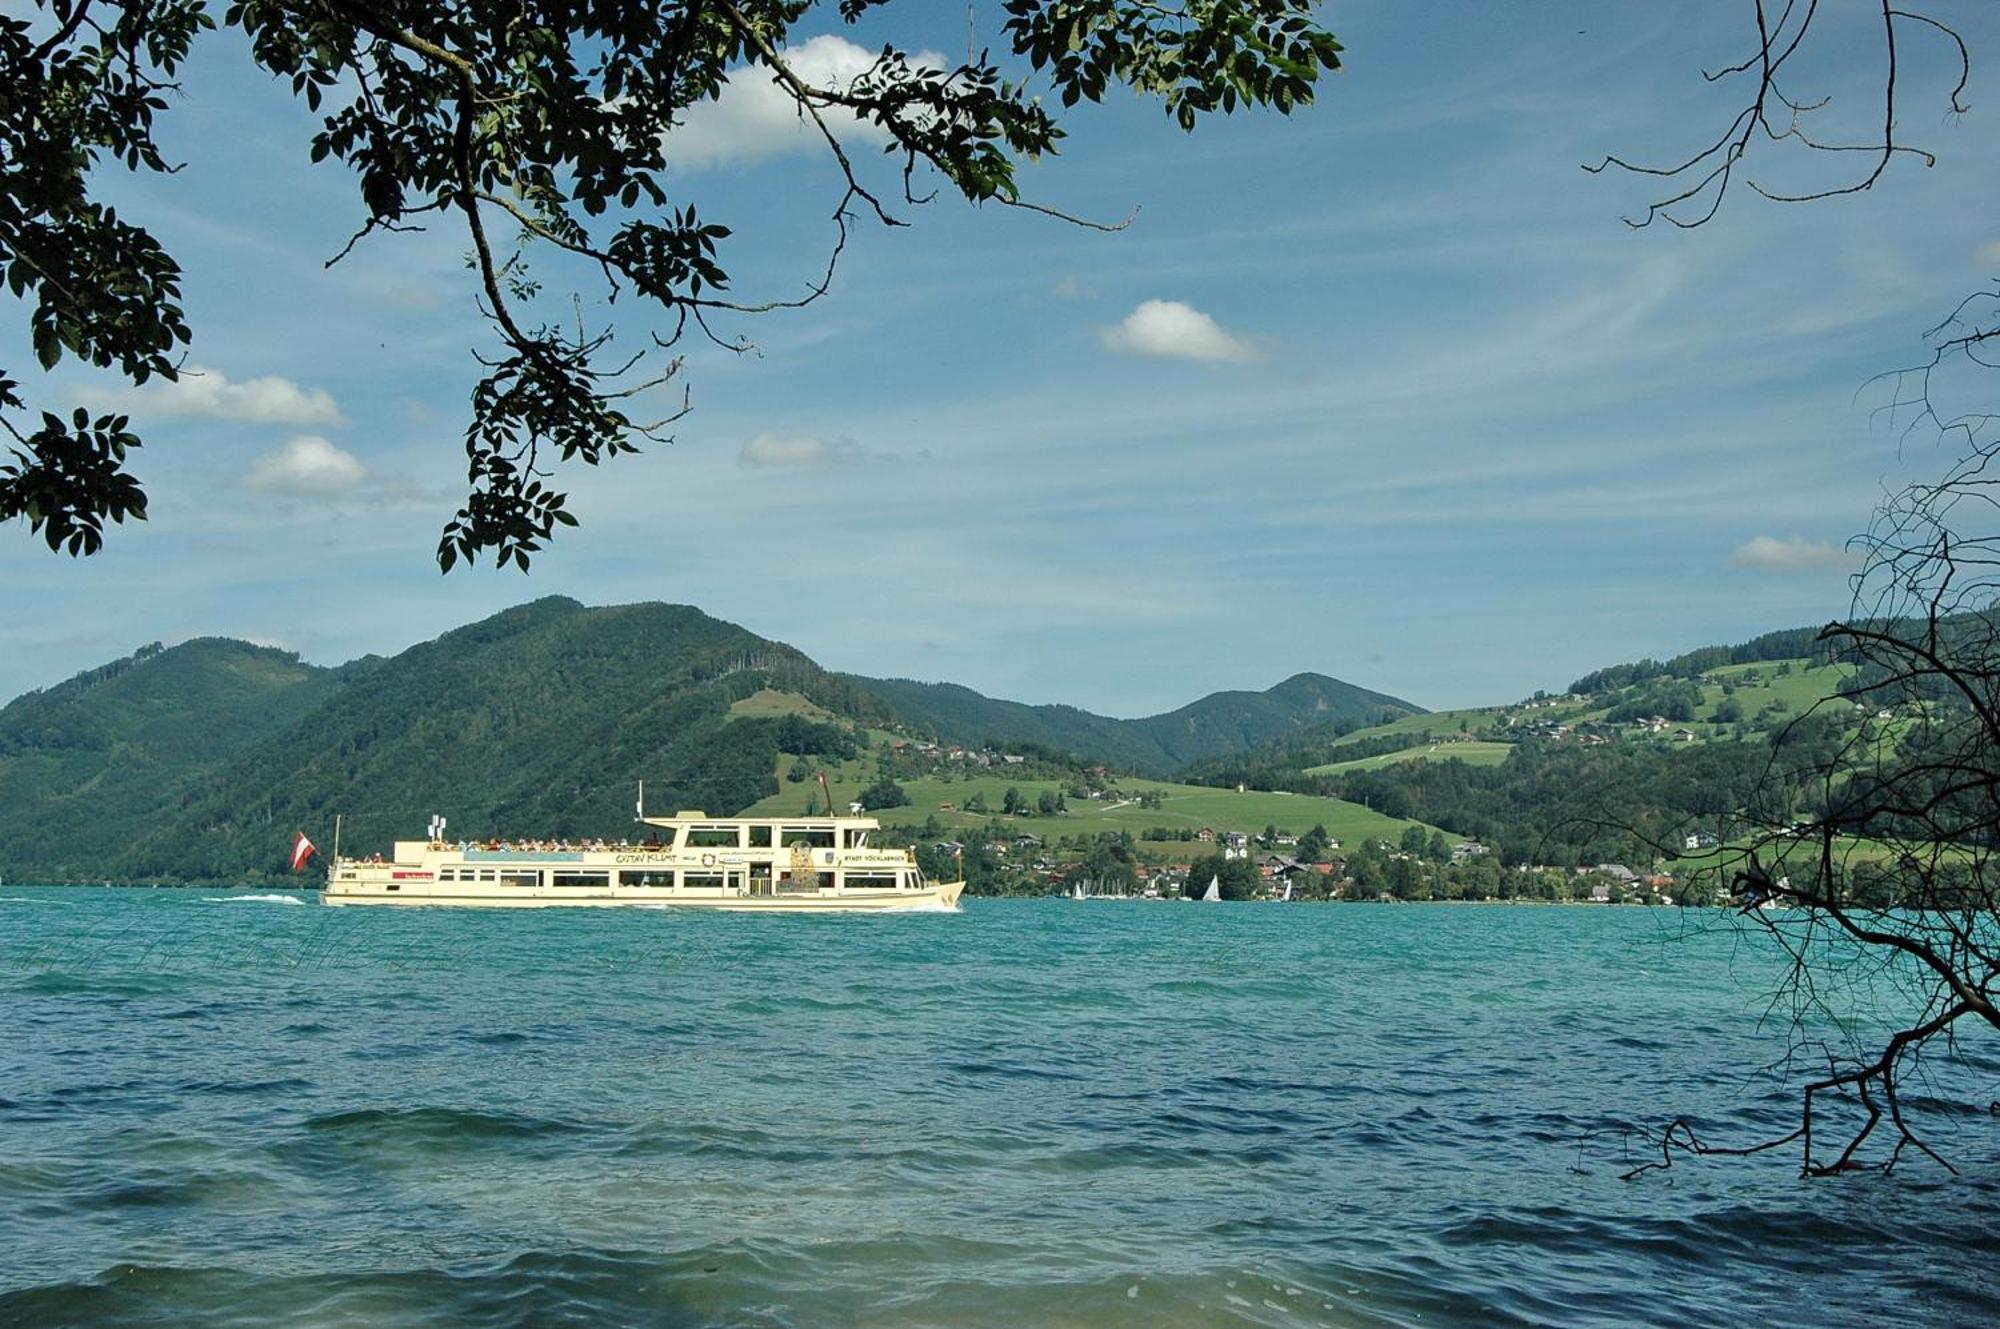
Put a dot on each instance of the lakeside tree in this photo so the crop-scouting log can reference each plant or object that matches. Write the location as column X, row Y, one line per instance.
column 884, row 793
column 539, row 128
column 1237, row 878
column 1883, row 895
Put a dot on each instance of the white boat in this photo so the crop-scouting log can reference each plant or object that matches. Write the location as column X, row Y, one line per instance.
column 1213, row 895
column 693, row 860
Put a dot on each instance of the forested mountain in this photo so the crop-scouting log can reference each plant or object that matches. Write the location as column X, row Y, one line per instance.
column 1157, row 745
column 545, row 716
column 92, row 762
column 197, row 762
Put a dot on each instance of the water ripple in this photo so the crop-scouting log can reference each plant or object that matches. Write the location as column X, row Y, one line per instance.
column 1027, row 1114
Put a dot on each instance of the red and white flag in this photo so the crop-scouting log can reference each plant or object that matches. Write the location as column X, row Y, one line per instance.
column 302, row 849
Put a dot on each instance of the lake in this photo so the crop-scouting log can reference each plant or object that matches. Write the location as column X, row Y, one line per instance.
column 238, row 1108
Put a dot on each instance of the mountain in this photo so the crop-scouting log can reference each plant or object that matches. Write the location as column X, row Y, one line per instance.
column 197, row 762
column 1159, row 745
column 91, row 762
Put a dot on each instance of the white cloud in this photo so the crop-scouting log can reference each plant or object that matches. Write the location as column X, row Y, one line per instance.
column 799, row 451
column 1067, row 289
column 1168, row 327
column 208, row 392
column 1989, row 253
column 307, row 465
column 752, row 118
column 1798, row 554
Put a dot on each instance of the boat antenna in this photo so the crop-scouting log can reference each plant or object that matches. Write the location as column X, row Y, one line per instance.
column 642, row 800
column 336, row 846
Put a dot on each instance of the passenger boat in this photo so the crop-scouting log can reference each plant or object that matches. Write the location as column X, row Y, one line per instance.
column 691, row 860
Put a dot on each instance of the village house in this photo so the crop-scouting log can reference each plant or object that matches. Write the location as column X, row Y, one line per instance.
column 1277, row 867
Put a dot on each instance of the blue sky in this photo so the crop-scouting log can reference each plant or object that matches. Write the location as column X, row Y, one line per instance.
column 1384, row 390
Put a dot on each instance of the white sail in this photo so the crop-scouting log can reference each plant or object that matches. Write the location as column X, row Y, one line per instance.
column 1214, row 892
column 1288, row 891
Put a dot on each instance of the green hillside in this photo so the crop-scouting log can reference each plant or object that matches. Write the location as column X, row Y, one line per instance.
column 1180, row 806
column 88, row 765
column 1716, row 742
column 1158, row 745
column 1475, row 752
column 199, row 762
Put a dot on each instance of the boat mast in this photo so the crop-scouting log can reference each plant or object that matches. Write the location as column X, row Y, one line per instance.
column 336, row 847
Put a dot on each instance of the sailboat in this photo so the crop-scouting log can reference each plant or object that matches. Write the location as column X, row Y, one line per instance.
column 1076, row 891
column 1213, row 894
column 1286, row 898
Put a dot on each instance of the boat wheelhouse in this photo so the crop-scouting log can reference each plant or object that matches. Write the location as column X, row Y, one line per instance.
column 690, row 859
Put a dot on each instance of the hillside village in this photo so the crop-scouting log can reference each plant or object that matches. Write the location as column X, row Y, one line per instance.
column 1064, row 826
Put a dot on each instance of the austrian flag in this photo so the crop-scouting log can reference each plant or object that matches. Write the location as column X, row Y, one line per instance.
column 302, row 849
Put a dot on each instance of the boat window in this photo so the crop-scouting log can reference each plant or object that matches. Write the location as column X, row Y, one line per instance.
column 760, row 837
column 701, row 881
column 813, row 836
column 871, row 881
column 654, row 877
column 448, row 874
column 713, row 837
column 518, row 878
column 485, row 874
column 583, row 878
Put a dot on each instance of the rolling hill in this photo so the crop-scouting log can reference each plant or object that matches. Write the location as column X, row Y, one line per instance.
column 197, row 762
column 1157, row 745
column 94, row 761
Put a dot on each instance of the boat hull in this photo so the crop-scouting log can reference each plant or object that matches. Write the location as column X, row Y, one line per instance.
column 940, row 895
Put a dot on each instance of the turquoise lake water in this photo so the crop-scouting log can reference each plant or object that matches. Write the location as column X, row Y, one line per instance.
column 245, row 1109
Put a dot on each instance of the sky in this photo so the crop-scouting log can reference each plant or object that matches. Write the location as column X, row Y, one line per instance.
column 1385, row 389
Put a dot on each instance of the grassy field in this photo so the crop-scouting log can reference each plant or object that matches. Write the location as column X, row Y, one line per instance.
column 1189, row 806
column 769, row 701
column 1472, row 754
column 1798, row 690
column 1436, row 722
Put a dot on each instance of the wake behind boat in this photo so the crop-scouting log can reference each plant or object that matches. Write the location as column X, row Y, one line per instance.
column 794, row 864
